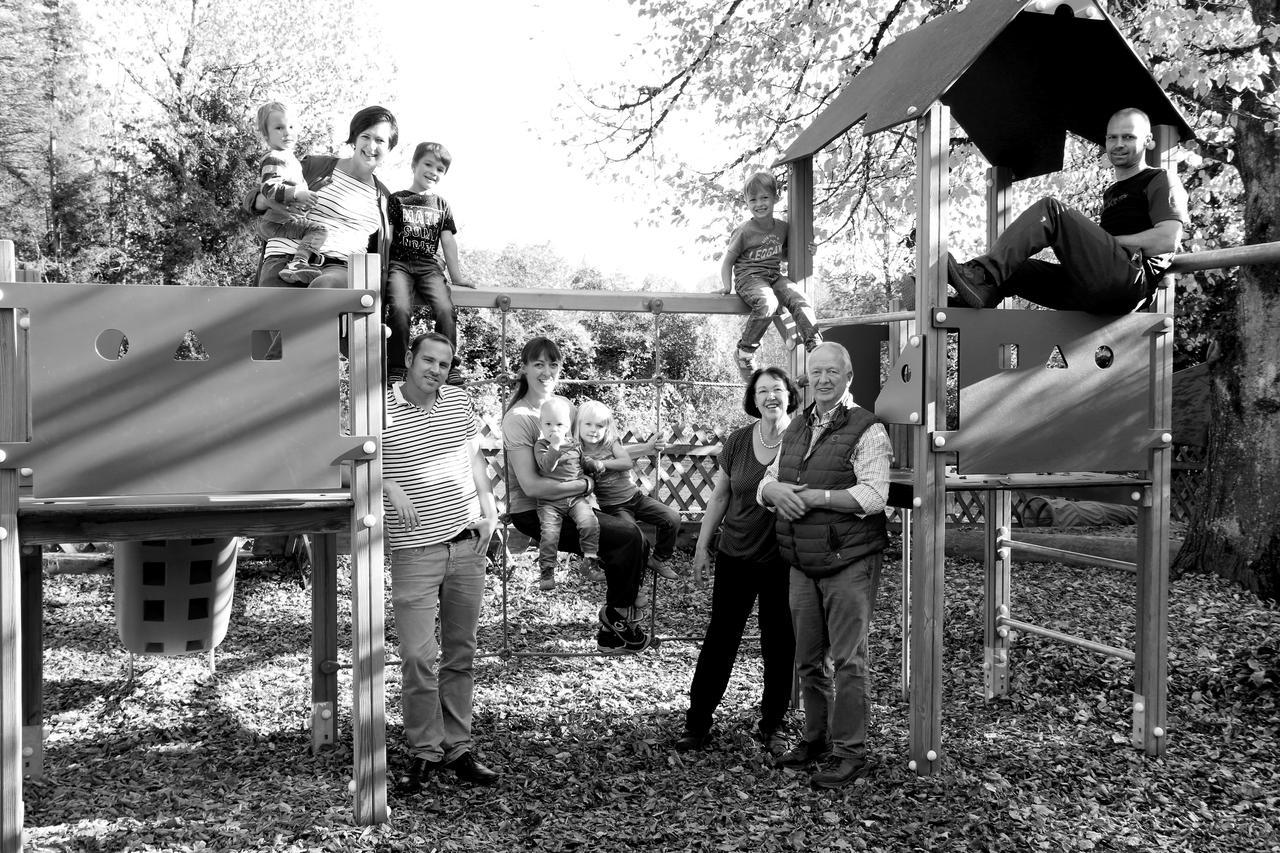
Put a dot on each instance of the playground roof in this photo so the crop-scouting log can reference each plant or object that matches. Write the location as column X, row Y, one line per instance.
column 1017, row 76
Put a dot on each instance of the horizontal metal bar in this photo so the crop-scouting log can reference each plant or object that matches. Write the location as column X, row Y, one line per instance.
column 635, row 301
column 866, row 319
column 1069, row 639
column 1232, row 256
column 1074, row 556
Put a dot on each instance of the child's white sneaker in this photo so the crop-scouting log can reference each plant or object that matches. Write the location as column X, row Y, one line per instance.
column 299, row 272
column 746, row 363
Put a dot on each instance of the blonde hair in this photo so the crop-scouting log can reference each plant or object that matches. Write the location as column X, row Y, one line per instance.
column 264, row 115
column 762, row 181
column 596, row 410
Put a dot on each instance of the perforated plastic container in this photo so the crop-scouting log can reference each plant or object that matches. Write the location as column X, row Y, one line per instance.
column 173, row 596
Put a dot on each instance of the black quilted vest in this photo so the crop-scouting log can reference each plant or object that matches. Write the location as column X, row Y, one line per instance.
column 823, row 542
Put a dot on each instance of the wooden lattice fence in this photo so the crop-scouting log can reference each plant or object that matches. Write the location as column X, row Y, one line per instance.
column 689, row 461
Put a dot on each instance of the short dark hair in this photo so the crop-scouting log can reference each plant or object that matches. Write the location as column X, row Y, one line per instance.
column 749, row 397
column 425, row 148
column 367, row 118
column 434, row 337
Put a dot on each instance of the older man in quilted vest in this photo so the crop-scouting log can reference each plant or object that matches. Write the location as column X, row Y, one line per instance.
column 828, row 487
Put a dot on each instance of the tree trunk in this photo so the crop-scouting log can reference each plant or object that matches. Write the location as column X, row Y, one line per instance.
column 1235, row 529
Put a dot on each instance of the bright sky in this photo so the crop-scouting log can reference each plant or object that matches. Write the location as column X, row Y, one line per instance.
column 484, row 79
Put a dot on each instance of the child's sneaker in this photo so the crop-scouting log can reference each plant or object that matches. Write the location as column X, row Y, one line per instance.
column 299, row 272
column 633, row 637
column 814, row 342
column 663, row 568
column 746, row 363
column 454, row 377
column 547, row 581
column 591, row 569
column 609, row 643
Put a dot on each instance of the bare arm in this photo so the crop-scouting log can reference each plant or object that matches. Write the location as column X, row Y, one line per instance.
column 1162, row 239
column 449, row 246
column 488, row 521
column 726, row 266
column 711, row 518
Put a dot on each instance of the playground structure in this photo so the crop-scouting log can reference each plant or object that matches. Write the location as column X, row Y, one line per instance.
column 144, row 454
column 1002, row 69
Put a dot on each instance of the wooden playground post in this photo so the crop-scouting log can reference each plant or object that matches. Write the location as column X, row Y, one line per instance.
column 13, row 427
column 368, row 715
column 1151, row 666
column 799, row 241
column 933, row 130
column 324, row 640
column 997, row 505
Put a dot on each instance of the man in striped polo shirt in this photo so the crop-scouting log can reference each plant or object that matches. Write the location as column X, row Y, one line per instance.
column 440, row 516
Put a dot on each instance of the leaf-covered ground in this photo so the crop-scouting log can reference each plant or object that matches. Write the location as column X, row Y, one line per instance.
column 179, row 760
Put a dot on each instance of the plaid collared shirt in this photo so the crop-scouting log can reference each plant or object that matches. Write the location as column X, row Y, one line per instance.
column 870, row 460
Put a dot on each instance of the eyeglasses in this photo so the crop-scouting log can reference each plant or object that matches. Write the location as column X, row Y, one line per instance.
column 765, row 392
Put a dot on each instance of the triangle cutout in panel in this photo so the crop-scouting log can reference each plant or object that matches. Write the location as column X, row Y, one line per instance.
column 190, row 348
column 1056, row 359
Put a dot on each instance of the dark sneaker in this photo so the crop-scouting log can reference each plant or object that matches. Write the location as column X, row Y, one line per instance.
column 804, row 754
column 394, row 375
column 467, row 769
column 814, row 342
column 420, row 769
column 691, row 742
column 970, row 282
column 609, row 643
column 591, row 570
column 547, row 579
column 633, row 637
column 454, row 377
column 841, row 772
column 663, row 568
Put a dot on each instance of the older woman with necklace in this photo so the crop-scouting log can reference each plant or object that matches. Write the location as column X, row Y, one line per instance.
column 747, row 567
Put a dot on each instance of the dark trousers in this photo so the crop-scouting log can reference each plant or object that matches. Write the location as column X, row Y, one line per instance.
column 624, row 552
column 665, row 520
column 431, row 290
column 738, row 585
column 1095, row 273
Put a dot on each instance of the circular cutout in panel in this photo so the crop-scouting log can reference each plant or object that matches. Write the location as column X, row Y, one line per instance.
column 112, row 344
column 1104, row 357
column 906, row 373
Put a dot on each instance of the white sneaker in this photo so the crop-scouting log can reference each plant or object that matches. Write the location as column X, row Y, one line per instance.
column 746, row 363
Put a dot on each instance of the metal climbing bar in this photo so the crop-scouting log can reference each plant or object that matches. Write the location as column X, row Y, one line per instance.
column 1008, row 622
column 1046, row 551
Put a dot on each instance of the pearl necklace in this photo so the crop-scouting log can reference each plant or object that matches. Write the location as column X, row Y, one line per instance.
column 760, row 435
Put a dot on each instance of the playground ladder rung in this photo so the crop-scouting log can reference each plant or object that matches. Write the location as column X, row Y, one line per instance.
column 1049, row 633
column 1046, row 551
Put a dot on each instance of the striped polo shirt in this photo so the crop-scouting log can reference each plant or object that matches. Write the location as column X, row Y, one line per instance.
column 428, row 453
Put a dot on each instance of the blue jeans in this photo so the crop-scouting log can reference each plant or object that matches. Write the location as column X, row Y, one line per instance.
column 403, row 285
column 437, row 701
column 763, row 296
column 832, row 616
column 665, row 520
column 333, row 274
column 551, row 516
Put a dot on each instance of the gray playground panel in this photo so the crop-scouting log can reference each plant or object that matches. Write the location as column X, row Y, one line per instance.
column 145, row 424
column 1035, row 418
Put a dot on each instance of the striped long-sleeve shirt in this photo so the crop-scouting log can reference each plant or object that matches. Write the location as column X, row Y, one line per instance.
column 281, row 175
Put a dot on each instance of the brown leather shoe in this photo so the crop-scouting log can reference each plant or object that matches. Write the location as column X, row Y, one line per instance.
column 803, row 754
column 467, row 769
column 840, row 773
